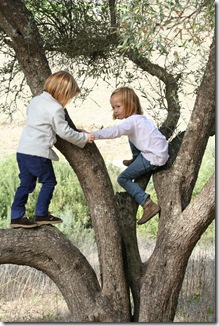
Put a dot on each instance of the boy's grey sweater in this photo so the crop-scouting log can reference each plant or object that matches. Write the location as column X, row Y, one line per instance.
column 45, row 119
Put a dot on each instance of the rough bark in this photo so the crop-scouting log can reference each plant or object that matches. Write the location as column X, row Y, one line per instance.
column 132, row 260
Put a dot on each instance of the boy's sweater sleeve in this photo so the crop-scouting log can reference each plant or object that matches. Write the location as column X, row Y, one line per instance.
column 64, row 131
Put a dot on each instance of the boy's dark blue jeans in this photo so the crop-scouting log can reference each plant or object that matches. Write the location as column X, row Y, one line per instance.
column 32, row 168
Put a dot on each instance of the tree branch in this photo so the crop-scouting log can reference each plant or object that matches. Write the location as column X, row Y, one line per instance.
column 171, row 84
column 199, row 129
column 56, row 256
column 19, row 25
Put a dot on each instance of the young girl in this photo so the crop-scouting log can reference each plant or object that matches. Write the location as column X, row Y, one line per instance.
column 45, row 119
column 149, row 147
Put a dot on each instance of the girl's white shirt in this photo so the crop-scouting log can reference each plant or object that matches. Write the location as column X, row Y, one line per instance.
column 45, row 119
column 143, row 134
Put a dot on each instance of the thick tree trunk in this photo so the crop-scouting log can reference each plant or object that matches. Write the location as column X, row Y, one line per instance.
column 131, row 256
column 94, row 179
column 164, row 271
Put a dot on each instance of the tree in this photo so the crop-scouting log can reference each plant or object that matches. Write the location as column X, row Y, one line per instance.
column 181, row 223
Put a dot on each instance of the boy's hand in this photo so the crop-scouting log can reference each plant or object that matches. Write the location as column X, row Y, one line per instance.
column 90, row 138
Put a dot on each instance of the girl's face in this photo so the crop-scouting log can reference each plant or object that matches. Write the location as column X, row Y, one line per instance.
column 117, row 105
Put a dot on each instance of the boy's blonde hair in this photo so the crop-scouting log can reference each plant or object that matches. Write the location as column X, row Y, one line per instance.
column 130, row 101
column 62, row 86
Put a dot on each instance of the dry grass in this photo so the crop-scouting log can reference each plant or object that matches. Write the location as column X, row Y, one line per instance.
column 28, row 295
column 197, row 300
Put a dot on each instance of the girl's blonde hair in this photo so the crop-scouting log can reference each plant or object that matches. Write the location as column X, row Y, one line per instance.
column 62, row 86
column 130, row 101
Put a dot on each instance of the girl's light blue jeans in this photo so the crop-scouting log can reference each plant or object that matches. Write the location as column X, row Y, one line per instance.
column 137, row 168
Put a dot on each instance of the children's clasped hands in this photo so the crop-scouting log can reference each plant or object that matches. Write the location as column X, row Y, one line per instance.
column 90, row 138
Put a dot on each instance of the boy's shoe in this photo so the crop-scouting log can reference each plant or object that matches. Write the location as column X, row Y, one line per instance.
column 128, row 162
column 22, row 222
column 47, row 219
column 150, row 209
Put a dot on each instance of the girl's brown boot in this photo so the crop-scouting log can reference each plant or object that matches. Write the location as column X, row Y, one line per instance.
column 150, row 209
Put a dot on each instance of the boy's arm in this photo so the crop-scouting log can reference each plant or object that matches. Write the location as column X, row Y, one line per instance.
column 64, row 131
